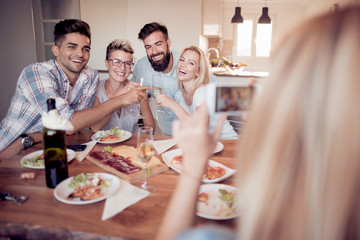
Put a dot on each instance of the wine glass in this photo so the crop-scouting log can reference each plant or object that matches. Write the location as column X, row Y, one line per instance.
column 145, row 151
column 157, row 88
column 130, row 108
column 141, row 82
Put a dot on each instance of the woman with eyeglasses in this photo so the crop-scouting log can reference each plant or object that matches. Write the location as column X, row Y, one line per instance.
column 119, row 61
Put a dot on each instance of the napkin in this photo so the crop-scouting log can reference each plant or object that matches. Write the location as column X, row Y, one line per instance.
column 163, row 145
column 126, row 196
column 81, row 155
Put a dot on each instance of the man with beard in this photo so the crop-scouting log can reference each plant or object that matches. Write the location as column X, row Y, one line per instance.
column 66, row 79
column 162, row 62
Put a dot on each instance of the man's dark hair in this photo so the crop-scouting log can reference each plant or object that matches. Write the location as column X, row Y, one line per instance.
column 153, row 27
column 70, row 26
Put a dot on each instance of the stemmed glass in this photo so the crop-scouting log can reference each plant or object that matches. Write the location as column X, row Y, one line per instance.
column 145, row 151
column 131, row 111
column 157, row 88
column 141, row 82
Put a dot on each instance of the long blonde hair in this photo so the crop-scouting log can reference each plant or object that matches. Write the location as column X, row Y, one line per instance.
column 299, row 157
column 204, row 72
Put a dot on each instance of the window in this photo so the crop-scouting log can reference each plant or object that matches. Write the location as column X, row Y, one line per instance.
column 263, row 40
column 247, row 41
column 244, row 36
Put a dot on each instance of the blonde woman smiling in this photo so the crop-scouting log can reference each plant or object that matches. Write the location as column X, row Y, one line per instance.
column 193, row 74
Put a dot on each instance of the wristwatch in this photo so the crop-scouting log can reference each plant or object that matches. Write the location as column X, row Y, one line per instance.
column 26, row 141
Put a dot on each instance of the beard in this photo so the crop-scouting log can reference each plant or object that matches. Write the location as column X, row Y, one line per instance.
column 162, row 64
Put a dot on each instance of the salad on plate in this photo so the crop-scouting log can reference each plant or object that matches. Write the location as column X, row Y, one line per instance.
column 217, row 202
column 35, row 159
column 114, row 135
column 88, row 186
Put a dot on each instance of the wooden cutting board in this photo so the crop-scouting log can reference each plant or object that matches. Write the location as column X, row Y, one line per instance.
column 156, row 166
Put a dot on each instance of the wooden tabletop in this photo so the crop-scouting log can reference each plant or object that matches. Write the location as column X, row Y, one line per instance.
column 42, row 214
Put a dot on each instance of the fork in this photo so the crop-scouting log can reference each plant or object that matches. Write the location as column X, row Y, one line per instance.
column 18, row 200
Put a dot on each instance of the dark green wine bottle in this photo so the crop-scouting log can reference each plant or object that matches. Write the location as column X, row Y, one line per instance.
column 56, row 169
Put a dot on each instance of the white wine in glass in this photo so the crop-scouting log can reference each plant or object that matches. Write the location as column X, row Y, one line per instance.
column 141, row 82
column 157, row 88
column 145, row 152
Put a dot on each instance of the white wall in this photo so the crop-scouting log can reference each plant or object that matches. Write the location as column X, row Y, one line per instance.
column 107, row 20
column 17, row 46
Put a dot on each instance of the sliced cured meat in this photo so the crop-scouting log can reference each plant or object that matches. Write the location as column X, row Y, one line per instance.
column 101, row 155
column 118, row 162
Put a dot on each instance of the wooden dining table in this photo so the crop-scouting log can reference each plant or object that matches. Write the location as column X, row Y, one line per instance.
column 44, row 217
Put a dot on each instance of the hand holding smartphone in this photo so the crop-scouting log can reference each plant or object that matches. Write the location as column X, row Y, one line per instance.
column 229, row 98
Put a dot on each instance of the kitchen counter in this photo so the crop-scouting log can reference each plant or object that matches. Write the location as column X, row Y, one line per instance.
column 237, row 76
column 224, row 72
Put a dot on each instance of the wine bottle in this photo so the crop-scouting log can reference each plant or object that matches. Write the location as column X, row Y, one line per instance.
column 55, row 158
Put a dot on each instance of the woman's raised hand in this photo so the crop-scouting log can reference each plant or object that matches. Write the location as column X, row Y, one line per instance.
column 197, row 143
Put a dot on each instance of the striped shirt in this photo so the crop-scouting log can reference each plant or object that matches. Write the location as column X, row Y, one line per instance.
column 36, row 84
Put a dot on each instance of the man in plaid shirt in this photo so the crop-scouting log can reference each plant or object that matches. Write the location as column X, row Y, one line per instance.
column 68, row 80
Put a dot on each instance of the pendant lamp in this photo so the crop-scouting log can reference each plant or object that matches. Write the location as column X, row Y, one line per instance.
column 237, row 18
column 265, row 19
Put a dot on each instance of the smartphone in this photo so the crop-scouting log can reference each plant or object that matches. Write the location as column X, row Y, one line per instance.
column 77, row 148
column 229, row 98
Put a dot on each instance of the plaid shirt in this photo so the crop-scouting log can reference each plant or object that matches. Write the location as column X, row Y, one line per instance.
column 36, row 84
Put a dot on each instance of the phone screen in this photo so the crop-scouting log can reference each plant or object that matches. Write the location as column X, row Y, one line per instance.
column 233, row 99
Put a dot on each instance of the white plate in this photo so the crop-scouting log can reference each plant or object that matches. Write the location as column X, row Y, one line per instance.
column 99, row 134
column 63, row 190
column 219, row 147
column 214, row 209
column 70, row 156
column 228, row 172
column 168, row 157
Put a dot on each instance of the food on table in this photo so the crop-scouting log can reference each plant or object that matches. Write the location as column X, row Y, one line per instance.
column 27, row 175
column 214, row 172
column 178, row 160
column 233, row 65
column 211, row 172
column 203, row 197
column 222, row 201
column 35, row 160
column 120, row 163
column 87, row 186
column 227, row 198
column 108, row 149
column 110, row 138
column 114, row 134
column 131, row 154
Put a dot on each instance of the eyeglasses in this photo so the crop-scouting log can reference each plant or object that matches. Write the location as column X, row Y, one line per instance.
column 117, row 62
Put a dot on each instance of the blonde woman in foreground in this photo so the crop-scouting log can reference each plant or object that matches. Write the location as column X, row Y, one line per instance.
column 299, row 157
